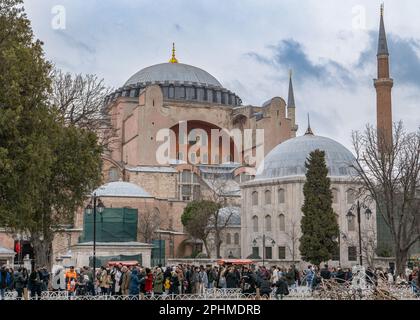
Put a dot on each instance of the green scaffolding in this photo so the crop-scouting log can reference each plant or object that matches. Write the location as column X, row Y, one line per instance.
column 158, row 253
column 112, row 225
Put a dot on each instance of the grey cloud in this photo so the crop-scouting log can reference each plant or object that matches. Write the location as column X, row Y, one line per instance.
column 404, row 61
column 291, row 54
column 75, row 43
column 178, row 27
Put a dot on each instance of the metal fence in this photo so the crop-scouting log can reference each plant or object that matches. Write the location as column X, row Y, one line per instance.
column 298, row 293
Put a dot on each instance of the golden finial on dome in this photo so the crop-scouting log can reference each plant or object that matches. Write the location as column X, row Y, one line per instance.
column 173, row 59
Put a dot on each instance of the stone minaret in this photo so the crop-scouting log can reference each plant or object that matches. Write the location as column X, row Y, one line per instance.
column 383, row 85
column 291, row 108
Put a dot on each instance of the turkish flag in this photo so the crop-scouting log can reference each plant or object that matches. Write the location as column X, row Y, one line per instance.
column 17, row 247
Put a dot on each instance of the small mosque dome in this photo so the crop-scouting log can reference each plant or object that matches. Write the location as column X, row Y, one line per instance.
column 121, row 189
column 289, row 157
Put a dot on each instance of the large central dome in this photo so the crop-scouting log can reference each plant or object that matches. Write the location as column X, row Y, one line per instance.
column 173, row 72
column 178, row 82
column 289, row 157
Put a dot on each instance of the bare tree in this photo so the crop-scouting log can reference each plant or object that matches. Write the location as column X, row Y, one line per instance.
column 293, row 235
column 390, row 174
column 80, row 100
column 220, row 192
column 149, row 222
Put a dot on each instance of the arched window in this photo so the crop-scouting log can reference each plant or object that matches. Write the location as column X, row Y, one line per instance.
column 281, row 195
column 335, row 195
column 255, row 223
column 171, row 92
column 255, row 198
column 113, row 175
column 267, row 223
column 189, row 186
column 350, row 196
column 282, row 223
column 228, row 238
column 236, row 238
column 351, row 223
column 267, row 197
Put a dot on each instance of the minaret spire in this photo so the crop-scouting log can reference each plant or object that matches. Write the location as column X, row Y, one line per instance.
column 382, row 43
column 173, row 58
column 383, row 85
column 291, row 98
column 309, row 130
column 291, row 107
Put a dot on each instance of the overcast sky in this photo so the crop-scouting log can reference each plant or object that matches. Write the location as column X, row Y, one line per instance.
column 249, row 47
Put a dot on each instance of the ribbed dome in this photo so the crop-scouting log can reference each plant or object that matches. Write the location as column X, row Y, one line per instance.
column 172, row 72
column 289, row 157
column 121, row 189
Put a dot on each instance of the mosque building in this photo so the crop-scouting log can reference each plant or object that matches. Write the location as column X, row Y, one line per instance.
column 192, row 104
column 147, row 186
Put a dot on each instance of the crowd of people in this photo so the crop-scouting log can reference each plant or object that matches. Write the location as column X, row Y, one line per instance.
column 186, row 279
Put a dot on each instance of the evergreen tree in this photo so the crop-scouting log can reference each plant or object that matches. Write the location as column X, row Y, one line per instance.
column 319, row 223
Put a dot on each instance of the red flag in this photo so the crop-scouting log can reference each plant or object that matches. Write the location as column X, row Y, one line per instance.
column 17, row 247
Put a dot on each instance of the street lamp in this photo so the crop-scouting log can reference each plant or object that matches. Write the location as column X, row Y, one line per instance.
column 350, row 216
column 98, row 206
column 264, row 238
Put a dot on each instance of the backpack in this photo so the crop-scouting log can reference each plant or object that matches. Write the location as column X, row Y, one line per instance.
column 167, row 283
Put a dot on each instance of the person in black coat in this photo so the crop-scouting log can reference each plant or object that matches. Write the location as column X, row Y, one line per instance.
column 20, row 282
column 248, row 282
column 341, row 276
column 265, row 287
column 281, row 288
column 231, row 279
column 174, row 289
column 188, row 279
column 35, row 283
column 167, row 273
column 325, row 273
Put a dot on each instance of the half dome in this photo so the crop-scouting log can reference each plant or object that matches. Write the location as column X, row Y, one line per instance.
column 288, row 158
column 173, row 72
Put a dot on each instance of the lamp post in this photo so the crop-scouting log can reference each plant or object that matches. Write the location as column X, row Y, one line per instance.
column 254, row 242
column 160, row 248
column 350, row 217
column 98, row 206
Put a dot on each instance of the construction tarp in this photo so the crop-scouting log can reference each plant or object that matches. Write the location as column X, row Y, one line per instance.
column 112, row 225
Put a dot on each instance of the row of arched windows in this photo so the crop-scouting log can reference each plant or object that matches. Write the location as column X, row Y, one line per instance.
column 268, row 197
column 350, row 196
column 235, row 238
column 268, row 223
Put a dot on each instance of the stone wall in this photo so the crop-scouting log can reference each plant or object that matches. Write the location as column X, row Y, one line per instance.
column 159, row 185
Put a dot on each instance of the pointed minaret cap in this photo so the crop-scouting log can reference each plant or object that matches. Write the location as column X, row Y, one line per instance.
column 309, row 130
column 382, row 43
column 291, row 98
column 173, row 58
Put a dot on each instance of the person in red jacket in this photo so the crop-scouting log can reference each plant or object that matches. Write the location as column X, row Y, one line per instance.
column 148, row 285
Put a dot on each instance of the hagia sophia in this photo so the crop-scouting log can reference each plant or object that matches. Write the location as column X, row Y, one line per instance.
column 145, row 198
